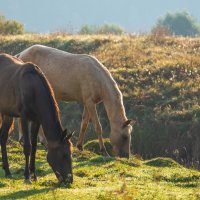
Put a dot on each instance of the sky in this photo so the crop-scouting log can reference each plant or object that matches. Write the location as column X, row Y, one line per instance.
column 136, row 16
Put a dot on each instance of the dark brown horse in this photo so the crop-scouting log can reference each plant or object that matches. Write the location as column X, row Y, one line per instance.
column 26, row 93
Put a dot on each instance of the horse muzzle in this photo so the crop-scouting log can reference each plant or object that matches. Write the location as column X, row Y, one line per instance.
column 68, row 179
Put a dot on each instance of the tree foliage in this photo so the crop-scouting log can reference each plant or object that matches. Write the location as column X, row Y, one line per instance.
column 103, row 29
column 11, row 27
column 178, row 23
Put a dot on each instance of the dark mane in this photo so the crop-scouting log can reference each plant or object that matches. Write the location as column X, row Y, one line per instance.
column 34, row 69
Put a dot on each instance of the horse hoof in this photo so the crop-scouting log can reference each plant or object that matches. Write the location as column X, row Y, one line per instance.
column 80, row 147
column 8, row 175
column 34, row 178
column 27, row 181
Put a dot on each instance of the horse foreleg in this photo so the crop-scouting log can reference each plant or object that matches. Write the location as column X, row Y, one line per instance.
column 91, row 107
column 34, row 133
column 84, row 124
column 6, row 124
column 27, row 148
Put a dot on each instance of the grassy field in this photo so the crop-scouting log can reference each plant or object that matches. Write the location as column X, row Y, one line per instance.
column 97, row 177
column 160, row 81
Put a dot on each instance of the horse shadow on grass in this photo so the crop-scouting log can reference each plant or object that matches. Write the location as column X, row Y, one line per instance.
column 24, row 194
column 40, row 170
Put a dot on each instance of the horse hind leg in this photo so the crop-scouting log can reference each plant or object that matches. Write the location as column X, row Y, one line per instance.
column 91, row 107
column 6, row 124
column 42, row 138
column 27, row 147
column 84, row 124
column 34, row 133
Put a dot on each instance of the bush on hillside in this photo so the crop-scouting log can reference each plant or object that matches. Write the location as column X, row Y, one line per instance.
column 178, row 23
column 104, row 29
column 10, row 27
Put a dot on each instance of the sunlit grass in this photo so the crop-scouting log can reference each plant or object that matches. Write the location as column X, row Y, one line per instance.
column 97, row 177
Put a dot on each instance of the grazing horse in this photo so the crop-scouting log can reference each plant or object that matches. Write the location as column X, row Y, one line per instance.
column 26, row 93
column 82, row 78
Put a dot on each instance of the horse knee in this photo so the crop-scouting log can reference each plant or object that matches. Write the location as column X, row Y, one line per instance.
column 27, row 149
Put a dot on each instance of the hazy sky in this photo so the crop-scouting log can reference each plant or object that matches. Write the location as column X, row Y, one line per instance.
column 133, row 15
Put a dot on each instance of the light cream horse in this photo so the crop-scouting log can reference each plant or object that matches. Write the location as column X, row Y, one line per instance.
column 82, row 78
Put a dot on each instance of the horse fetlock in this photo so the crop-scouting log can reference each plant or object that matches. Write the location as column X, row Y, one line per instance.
column 6, row 169
column 8, row 174
column 33, row 177
column 27, row 181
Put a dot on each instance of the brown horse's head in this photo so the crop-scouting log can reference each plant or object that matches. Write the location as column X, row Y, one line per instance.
column 60, row 159
column 121, row 139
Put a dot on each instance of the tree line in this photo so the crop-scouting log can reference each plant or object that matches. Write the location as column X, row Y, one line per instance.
column 177, row 23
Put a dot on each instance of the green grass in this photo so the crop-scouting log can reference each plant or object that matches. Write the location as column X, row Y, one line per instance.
column 97, row 177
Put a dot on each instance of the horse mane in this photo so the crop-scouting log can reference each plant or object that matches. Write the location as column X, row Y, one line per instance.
column 36, row 70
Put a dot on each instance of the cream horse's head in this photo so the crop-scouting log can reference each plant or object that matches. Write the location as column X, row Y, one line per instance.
column 121, row 139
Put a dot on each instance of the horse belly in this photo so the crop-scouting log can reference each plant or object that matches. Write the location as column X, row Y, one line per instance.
column 8, row 105
column 66, row 88
column 9, row 112
column 68, row 95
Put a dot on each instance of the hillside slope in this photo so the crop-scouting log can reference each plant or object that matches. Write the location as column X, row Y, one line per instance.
column 160, row 82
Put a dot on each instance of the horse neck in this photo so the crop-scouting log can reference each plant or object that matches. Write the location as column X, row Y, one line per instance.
column 114, row 107
column 49, row 116
column 51, row 127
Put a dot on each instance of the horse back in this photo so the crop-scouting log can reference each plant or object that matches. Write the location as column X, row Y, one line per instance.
column 16, row 83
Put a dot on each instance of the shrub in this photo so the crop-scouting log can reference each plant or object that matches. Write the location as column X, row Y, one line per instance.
column 179, row 23
column 104, row 29
column 110, row 29
column 88, row 29
column 11, row 27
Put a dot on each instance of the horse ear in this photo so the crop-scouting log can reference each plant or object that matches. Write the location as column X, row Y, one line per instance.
column 69, row 136
column 128, row 122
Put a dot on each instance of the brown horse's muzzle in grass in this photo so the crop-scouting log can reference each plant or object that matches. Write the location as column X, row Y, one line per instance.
column 61, row 179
